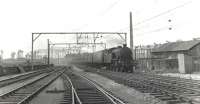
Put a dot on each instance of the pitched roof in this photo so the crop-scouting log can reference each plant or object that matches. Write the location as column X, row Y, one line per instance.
column 177, row 46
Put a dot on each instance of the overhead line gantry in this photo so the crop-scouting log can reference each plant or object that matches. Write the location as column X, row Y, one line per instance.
column 121, row 34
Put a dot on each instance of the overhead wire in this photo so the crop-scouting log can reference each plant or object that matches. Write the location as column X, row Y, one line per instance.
column 163, row 13
column 148, row 19
column 155, row 30
column 109, row 7
column 158, row 15
column 154, row 17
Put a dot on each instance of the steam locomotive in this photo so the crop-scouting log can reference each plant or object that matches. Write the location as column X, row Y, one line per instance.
column 116, row 59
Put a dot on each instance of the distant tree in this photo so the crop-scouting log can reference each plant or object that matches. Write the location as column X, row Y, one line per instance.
column 13, row 55
column 1, row 54
column 179, row 40
column 45, row 59
column 28, row 56
column 20, row 53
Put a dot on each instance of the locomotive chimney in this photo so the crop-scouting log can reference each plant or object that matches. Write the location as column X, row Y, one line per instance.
column 131, row 33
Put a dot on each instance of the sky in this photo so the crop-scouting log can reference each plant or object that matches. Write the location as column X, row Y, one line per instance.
column 19, row 18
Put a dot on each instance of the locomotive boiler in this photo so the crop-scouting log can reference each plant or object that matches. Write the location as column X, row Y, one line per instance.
column 122, row 60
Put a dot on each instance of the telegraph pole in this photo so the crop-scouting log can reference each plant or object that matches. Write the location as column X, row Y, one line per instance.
column 32, row 52
column 131, row 34
column 48, row 52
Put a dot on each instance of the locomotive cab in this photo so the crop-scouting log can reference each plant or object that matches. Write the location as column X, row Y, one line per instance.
column 122, row 59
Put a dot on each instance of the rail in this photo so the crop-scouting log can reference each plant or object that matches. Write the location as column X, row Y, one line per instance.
column 97, row 93
column 29, row 89
column 114, row 99
column 74, row 93
column 26, row 99
column 161, row 87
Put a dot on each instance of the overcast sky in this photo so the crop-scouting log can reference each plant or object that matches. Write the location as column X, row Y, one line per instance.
column 19, row 18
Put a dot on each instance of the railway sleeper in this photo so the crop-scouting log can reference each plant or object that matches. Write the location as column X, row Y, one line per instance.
column 191, row 93
column 65, row 102
column 96, row 102
column 178, row 83
column 166, row 98
column 151, row 83
column 176, row 101
column 67, row 99
column 173, row 89
column 92, row 98
column 9, row 102
column 13, row 99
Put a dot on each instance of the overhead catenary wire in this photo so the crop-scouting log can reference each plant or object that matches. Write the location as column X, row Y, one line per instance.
column 112, row 5
column 156, row 30
column 148, row 19
column 170, row 27
column 162, row 13
column 156, row 16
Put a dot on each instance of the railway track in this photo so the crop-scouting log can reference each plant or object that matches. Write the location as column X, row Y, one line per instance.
column 23, row 93
column 80, row 90
column 169, row 89
column 18, row 78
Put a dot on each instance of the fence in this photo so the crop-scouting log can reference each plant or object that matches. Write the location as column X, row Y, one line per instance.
column 142, row 56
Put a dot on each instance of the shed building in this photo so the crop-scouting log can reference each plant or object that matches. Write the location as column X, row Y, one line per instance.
column 180, row 56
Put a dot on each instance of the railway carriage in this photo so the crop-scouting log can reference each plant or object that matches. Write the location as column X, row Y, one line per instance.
column 115, row 59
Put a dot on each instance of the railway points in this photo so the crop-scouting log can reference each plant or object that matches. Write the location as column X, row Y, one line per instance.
column 126, row 94
column 86, row 92
column 76, row 88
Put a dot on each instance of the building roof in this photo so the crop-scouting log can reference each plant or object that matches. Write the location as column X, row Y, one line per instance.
column 177, row 46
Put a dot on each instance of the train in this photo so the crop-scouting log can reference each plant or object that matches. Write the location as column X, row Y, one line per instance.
column 116, row 59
